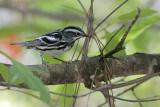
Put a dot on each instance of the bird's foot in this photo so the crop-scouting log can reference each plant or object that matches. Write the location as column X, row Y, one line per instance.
column 69, row 63
column 45, row 63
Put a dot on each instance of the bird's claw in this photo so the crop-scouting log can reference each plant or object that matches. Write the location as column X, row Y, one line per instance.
column 45, row 63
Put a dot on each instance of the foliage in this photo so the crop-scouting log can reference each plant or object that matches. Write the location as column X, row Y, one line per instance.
column 25, row 74
column 137, row 29
column 31, row 27
column 4, row 72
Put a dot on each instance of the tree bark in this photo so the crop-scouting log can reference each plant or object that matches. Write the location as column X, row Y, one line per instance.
column 127, row 65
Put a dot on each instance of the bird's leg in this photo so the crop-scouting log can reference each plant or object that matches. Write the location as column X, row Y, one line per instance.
column 59, row 59
column 42, row 58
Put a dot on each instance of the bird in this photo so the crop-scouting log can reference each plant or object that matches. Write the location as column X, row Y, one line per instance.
column 55, row 42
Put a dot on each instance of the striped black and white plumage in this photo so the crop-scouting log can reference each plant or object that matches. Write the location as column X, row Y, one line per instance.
column 56, row 42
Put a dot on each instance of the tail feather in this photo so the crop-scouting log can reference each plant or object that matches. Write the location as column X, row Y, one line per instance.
column 32, row 43
column 27, row 43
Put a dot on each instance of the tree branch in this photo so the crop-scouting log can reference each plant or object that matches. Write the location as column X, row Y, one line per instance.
column 135, row 64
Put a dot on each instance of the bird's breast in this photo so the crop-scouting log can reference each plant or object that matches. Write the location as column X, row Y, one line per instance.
column 54, row 53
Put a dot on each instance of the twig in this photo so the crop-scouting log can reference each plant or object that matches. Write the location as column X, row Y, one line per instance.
column 137, row 98
column 145, row 100
column 76, row 93
column 90, row 29
column 60, row 95
column 82, row 49
column 147, row 77
column 95, row 35
column 120, row 47
column 142, row 100
column 97, row 89
column 75, row 96
column 152, row 97
column 98, row 43
column 130, row 88
column 113, row 37
column 93, row 80
column 75, row 51
column 107, row 75
column 105, row 93
column 102, row 104
column 83, row 8
column 91, row 16
column 78, row 44
column 12, row 85
column 65, row 94
column 109, row 15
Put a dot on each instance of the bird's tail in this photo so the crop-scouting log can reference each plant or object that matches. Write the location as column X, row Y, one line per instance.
column 27, row 43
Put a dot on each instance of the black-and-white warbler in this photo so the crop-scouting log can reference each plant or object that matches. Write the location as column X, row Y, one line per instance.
column 56, row 42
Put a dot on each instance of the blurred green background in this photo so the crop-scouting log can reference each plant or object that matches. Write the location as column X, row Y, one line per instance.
column 22, row 20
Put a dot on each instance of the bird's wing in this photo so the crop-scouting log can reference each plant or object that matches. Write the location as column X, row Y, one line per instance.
column 50, row 38
column 51, row 41
column 44, row 40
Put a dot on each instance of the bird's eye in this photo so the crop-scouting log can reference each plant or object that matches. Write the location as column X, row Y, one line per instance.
column 78, row 34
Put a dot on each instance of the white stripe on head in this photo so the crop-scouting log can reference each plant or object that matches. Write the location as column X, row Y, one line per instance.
column 74, row 30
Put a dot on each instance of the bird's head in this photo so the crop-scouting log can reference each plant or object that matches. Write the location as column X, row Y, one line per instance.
column 73, row 33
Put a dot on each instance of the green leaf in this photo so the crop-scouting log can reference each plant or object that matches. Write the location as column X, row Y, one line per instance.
column 136, row 30
column 141, row 26
column 132, row 14
column 36, row 70
column 14, row 78
column 4, row 72
column 30, row 79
